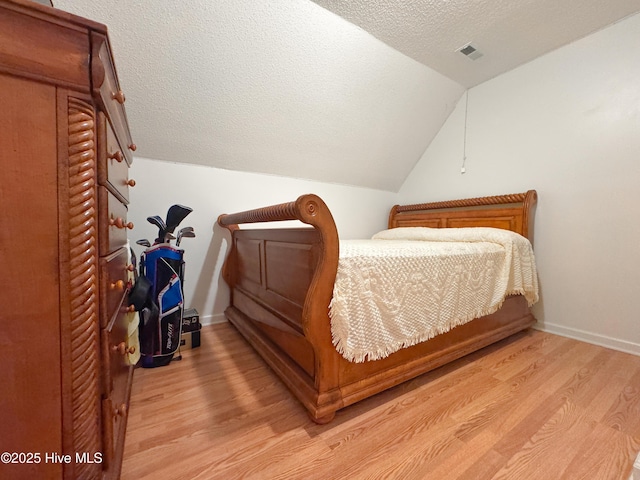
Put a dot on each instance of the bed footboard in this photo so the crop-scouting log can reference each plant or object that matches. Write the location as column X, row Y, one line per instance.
column 281, row 284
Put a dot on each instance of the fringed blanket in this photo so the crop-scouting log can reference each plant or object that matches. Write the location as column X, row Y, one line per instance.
column 407, row 285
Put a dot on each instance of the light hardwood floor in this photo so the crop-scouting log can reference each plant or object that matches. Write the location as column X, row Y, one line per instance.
column 535, row 406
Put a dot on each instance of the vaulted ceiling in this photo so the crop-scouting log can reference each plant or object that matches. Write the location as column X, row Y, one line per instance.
column 508, row 33
column 287, row 87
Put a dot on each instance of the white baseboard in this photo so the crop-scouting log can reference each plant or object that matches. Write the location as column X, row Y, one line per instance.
column 212, row 319
column 576, row 334
column 594, row 338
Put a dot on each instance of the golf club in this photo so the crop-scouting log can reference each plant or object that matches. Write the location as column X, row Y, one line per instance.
column 175, row 215
column 162, row 227
column 144, row 242
column 183, row 230
column 184, row 233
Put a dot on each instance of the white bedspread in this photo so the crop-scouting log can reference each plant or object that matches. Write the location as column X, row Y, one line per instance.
column 407, row 285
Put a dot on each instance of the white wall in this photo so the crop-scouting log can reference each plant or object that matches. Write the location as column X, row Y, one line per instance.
column 358, row 213
column 568, row 125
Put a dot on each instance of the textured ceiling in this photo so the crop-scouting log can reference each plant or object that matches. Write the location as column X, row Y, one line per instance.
column 507, row 32
column 282, row 87
column 287, row 87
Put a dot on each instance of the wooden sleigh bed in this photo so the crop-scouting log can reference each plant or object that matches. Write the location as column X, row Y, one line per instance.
column 281, row 282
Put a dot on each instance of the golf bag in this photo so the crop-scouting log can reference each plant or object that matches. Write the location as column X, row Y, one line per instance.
column 161, row 276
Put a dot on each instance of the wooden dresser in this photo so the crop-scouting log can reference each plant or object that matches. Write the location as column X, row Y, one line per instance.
column 65, row 151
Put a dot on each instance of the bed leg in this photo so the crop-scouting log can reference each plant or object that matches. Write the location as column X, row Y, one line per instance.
column 322, row 420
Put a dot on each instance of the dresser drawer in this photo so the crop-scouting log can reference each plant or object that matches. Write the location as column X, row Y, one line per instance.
column 117, row 379
column 114, row 283
column 113, row 225
column 113, row 169
column 108, row 93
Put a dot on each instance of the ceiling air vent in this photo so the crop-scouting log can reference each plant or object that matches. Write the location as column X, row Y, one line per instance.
column 470, row 51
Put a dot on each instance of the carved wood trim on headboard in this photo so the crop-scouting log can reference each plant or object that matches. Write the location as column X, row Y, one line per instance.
column 513, row 212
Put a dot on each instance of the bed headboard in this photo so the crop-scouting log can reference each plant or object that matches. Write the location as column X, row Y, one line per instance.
column 513, row 212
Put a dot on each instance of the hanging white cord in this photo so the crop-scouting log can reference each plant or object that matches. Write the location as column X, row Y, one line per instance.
column 464, row 147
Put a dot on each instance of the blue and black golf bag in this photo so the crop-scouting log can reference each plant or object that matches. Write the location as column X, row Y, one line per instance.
column 162, row 270
column 157, row 294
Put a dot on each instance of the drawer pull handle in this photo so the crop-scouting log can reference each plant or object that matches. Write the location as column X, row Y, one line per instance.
column 122, row 349
column 118, row 157
column 132, row 147
column 116, row 222
column 118, row 97
column 119, row 223
column 119, row 285
column 120, row 411
column 131, row 183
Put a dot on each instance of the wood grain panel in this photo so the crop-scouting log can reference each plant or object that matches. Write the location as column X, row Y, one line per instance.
column 113, row 284
column 116, row 405
column 106, row 90
column 29, row 199
column 417, row 221
column 280, row 332
column 506, row 223
column 289, row 270
column 249, row 261
column 113, row 222
column 275, row 267
column 514, row 212
column 113, row 169
column 27, row 49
